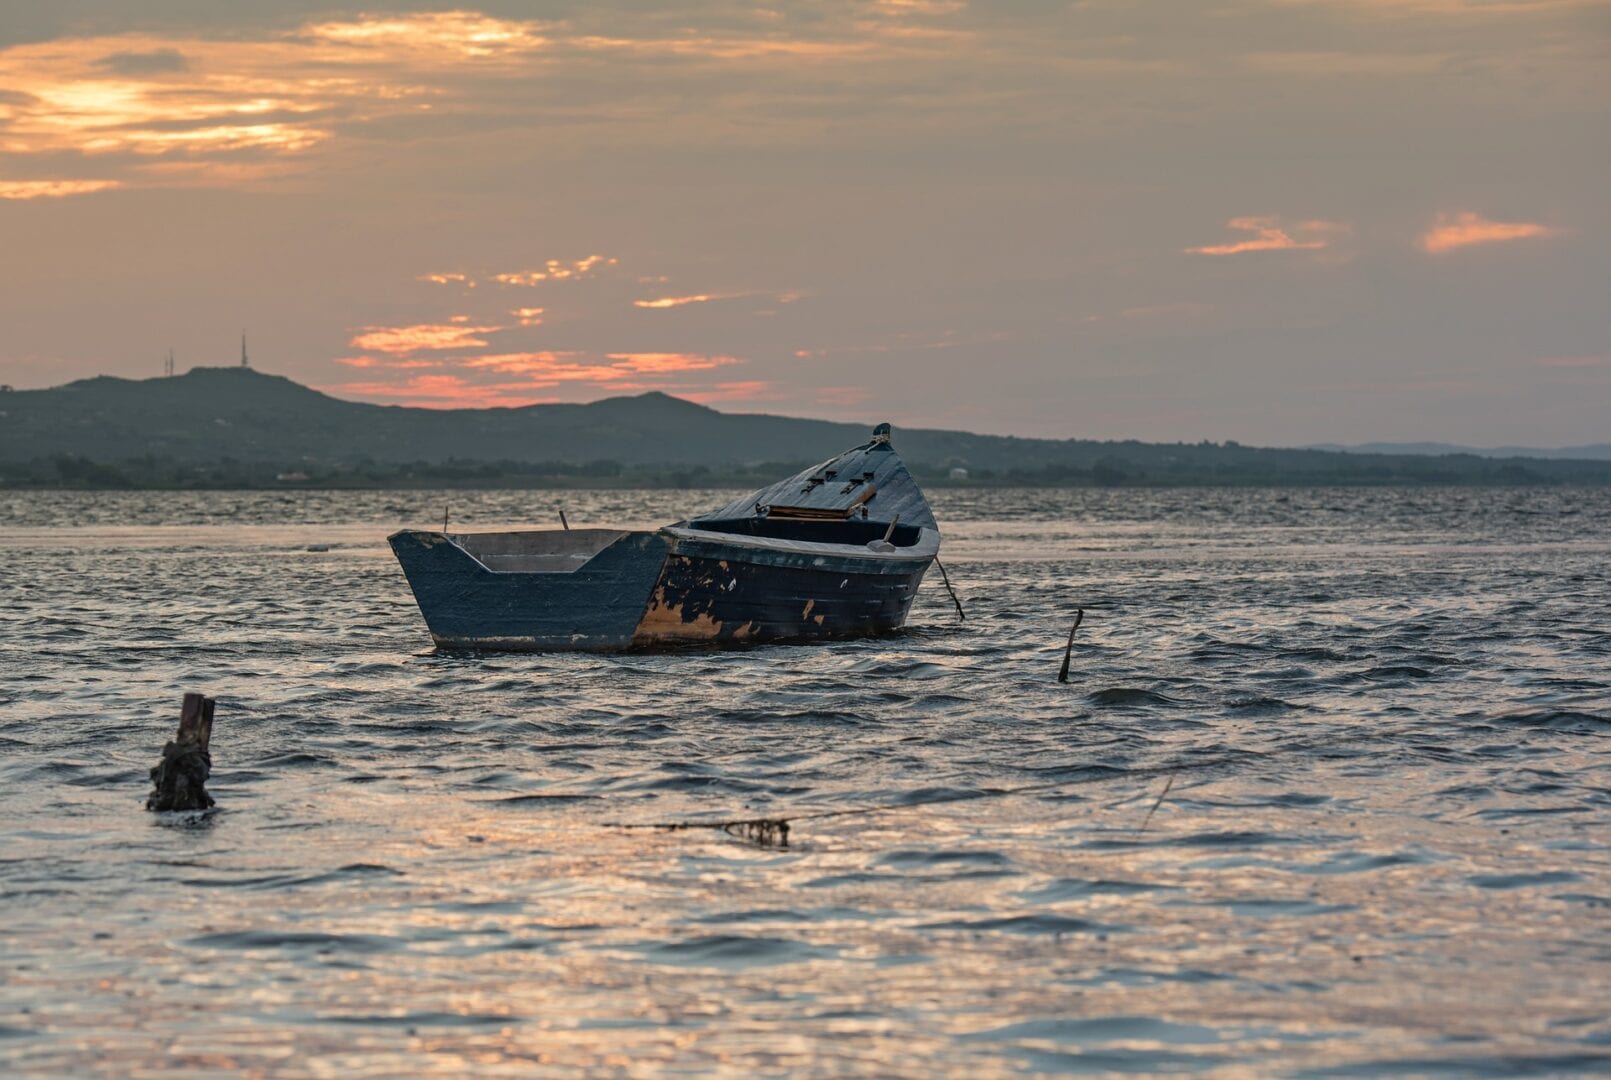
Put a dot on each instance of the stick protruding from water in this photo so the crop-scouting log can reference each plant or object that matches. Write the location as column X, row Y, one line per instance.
column 178, row 780
column 1068, row 653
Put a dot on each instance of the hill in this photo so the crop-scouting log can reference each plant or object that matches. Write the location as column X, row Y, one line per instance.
column 227, row 427
column 1590, row 452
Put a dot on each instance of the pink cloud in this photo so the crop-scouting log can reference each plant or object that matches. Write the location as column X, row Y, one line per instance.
column 1450, row 232
column 399, row 340
column 443, row 392
column 1270, row 234
column 666, row 363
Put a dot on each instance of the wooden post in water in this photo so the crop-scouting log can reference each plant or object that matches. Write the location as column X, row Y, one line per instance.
column 179, row 779
column 1079, row 617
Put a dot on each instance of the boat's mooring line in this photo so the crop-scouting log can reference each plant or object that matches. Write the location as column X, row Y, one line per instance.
column 1068, row 653
column 775, row 830
column 947, row 579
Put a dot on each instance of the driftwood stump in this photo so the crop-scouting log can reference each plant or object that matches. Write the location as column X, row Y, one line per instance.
column 178, row 781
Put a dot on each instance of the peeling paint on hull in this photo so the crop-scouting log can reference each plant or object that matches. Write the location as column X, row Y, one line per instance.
column 733, row 601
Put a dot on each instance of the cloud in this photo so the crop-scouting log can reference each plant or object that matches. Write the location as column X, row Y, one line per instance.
column 1450, row 232
column 391, row 363
column 528, row 316
column 279, row 92
column 1269, row 234
column 564, row 366
column 667, row 363
column 556, row 270
column 442, row 392
column 153, row 62
column 449, row 279
column 401, row 340
column 676, row 301
column 757, row 390
column 204, row 95
column 53, row 189
column 664, row 302
column 546, row 368
column 442, row 36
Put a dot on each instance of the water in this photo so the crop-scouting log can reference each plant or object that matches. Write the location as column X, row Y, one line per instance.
column 1393, row 857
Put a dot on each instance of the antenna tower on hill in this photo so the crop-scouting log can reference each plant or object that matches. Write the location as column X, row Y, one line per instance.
column 243, row 350
column 167, row 365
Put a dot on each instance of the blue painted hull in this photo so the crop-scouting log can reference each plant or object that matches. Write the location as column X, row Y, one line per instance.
column 648, row 590
column 468, row 605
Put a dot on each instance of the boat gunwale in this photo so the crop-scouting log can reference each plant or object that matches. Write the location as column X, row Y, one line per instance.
column 925, row 550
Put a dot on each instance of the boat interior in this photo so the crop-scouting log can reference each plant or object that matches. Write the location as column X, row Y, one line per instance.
column 552, row 551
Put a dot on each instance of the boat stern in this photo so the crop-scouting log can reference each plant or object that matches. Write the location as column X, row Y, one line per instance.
column 534, row 590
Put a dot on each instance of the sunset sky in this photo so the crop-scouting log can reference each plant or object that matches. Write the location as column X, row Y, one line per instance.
column 1277, row 221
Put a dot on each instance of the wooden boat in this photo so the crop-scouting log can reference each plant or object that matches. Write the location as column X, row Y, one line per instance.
column 836, row 551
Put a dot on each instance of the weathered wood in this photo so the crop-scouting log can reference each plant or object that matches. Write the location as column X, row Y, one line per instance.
column 179, row 779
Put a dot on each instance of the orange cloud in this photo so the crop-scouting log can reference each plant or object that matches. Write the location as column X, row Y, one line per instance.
column 53, row 189
column 1450, row 232
column 675, row 301
column 529, row 316
column 449, row 279
column 439, row 36
column 556, row 270
column 663, row 302
column 1269, row 234
column 203, row 98
column 399, row 340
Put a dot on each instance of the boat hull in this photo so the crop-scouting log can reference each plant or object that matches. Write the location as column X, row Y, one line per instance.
column 725, row 593
column 652, row 590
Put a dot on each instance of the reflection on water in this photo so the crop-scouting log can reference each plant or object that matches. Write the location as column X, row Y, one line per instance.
column 1399, row 865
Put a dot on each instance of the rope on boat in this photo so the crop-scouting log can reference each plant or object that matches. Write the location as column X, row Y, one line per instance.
column 947, row 579
column 1068, row 653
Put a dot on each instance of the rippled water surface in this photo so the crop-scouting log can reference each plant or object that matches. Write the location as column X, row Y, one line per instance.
column 1387, row 850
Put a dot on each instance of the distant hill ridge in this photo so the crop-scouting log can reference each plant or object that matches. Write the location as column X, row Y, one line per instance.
column 1587, row 452
column 265, row 424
